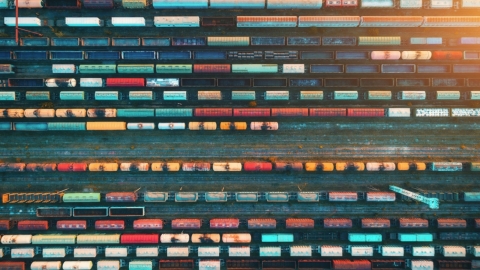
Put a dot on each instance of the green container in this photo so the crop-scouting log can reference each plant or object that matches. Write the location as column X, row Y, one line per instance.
column 228, row 41
column 407, row 237
column 98, row 239
column 174, row 68
column 140, row 265
column 97, row 69
column 81, row 197
column 356, row 237
column 269, row 238
column 173, row 112
column 72, row 95
column 254, row 68
column 135, row 112
column 146, row 68
column 424, row 237
column 285, row 237
column 66, row 126
column 48, row 239
column 373, row 237
column 37, row 95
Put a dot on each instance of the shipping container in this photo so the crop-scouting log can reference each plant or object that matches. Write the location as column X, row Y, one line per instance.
column 71, row 225
column 352, row 264
column 329, row 21
column 28, row 225
column 375, row 223
column 331, row 251
column 342, row 196
column 413, row 223
column 391, row 21
column 264, row 223
column 23, row 21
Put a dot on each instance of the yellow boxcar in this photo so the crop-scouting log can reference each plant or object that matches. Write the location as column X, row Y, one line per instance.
column 106, row 125
column 165, row 167
column 233, row 125
column 103, row 167
column 414, row 166
column 319, row 167
column 350, row 166
column 202, row 126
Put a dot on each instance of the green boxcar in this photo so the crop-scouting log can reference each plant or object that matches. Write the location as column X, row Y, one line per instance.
column 98, row 239
column 48, row 239
column 243, row 95
column 311, row 95
column 7, row 95
column 174, row 68
column 81, row 197
column 140, row 265
column 72, row 95
column 140, row 95
column 228, row 41
column 379, row 41
column 37, row 95
column 135, row 112
column 173, row 112
column 135, row 68
column 97, row 69
column 66, row 126
column 254, row 68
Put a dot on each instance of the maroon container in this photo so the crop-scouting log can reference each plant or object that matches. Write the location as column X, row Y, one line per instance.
column 262, row 223
column 176, row 264
column 252, row 112
column 5, row 225
column 41, row 167
column 71, row 225
column 289, row 111
column 121, row 197
column 337, row 223
column 300, row 223
column 328, row 112
column 446, row 223
column 284, row 166
column 125, row 82
column 28, row 225
column 72, row 167
column 12, row 265
column 98, row 4
column 352, row 264
column 257, row 166
column 224, row 223
column 413, row 223
column 186, row 223
column 375, row 223
column 213, row 112
column 211, row 68
column 109, row 225
column 131, row 238
column 148, row 224
column 366, row 112
column 447, row 55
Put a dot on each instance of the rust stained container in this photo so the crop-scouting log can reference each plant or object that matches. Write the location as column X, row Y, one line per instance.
column 477, row 223
column 262, row 223
column 447, row 55
column 352, row 264
column 72, row 167
column 300, row 223
column 196, row 167
column 255, row 112
column 328, row 112
column 413, row 223
column 366, row 112
column 28, row 225
column 337, row 223
column 5, row 225
column 110, row 225
column 257, row 166
column 121, row 197
column 41, row 167
column 176, row 264
column 289, row 111
column 71, row 225
column 186, row 223
column 375, row 223
column 224, row 223
column 288, row 167
column 133, row 238
column 98, row 4
column 446, row 223
column 12, row 265
column 125, row 82
column 148, row 224
column 213, row 112
column 211, row 68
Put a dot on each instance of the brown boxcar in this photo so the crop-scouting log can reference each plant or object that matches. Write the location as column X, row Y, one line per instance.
column 186, row 223
column 262, row 223
column 12, row 265
column 445, row 223
column 300, row 223
column 447, row 55
column 148, row 224
column 375, row 223
column 211, row 68
column 454, row 265
column 288, row 167
column 224, row 223
column 328, row 112
column 109, row 225
column 243, row 264
column 352, row 264
column 365, row 112
column 71, row 225
column 27, row 225
column 251, row 112
column 413, row 223
column 289, row 111
column 121, row 197
column 176, row 264
column 337, row 223
column 213, row 112
column 257, row 166
column 41, row 167
column 5, row 224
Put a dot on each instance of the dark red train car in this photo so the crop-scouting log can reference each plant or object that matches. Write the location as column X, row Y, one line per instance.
column 445, row 223
column 28, row 225
column 12, row 265
column 148, row 224
column 72, row 167
column 121, row 197
column 328, row 112
column 337, row 223
column 5, row 224
column 262, row 223
column 477, row 223
column 133, row 238
column 413, row 223
column 98, row 4
column 71, row 225
column 110, row 225
column 252, row 112
column 176, row 264
column 186, row 223
column 454, row 265
column 300, row 223
column 243, row 264
column 257, row 166
column 125, row 82
column 289, row 111
column 224, row 223
column 314, row 264
column 365, row 112
column 41, row 167
column 285, row 166
column 213, row 112
column 279, row 265
column 375, row 223
column 447, row 55
column 352, row 264
column 211, row 68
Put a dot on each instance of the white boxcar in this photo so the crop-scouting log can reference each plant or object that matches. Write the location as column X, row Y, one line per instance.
column 448, row 95
column 128, row 21
column 180, row 4
column 476, row 251
column 18, row 239
column 422, row 265
column 380, row 166
column 470, row 3
column 82, row 21
column 84, row 252
column 300, row 251
column 176, row 21
column 441, row 3
column 475, row 95
column 293, row 68
column 77, row 265
column 140, row 265
column 277, row 95
column 465, row 112
column 140, row 126
column 208, row 251
column 177, row 251
column 91, row 82
column 209, row 95
column 331, row 251
column 454, row 251
column 23, row 21
column 48, row 265
column 431, row 112
column 417, row 55
column 361, row 251
column 237, row 4
column 377, row 3
column 411, row 4
column 270, row 251
column 227, row 167
column 39, row 113
column 392, row 251
column 239, row 251
column 174, row 238
column 345, row 95
column 328, row 21
column 116, row 252
column 30, row 3
column 63, row 68
column 147, row 251
column 17, row 253
column 209, row 265
column 311, row 95
column 298, row 4
column 108, row 265
column 53, row 252
column 171, row 126
column 423, row 251
column 412, row 95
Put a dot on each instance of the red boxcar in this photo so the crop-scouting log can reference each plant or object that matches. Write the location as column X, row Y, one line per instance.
column 289, row 111
column 125, row 82
column 131, row 238
column 257, row 166
column 5, row 225
column 186, row 223
column 300, row 223
column 27, row 225
column 98, row 4
column 328, row 112
column 375, row 223
column 260, row 112
column 41, row 167
column 445, row 223
column 262, row 223
column 352, row 264
column 148, row 224
column 447, row 55
column 284, row 166
column 477, row 223
column 110, row 225
column 224, row 223
column 213, row 112
column 366, row 112
column 121, row 197
column 211, row 68
column 71, row 225
column 413, row 223
column 12, row 265
column 337, row 223
column 72, row 167
column 176, row 264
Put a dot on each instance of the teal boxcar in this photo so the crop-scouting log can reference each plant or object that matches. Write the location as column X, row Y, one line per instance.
column 407, row 237
column 424, row 237
column 135, row 68
column 243, row 95
column 97, row 69
column 135, row 112
column 66, row 126
column 174, row 68
column 37, row 95
column 10, row 95
column 72, row 95
column 26, row 126
column 364, row 237
column 81, row 197
column 277, row 237
column 174, row 112
column 106, row 95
